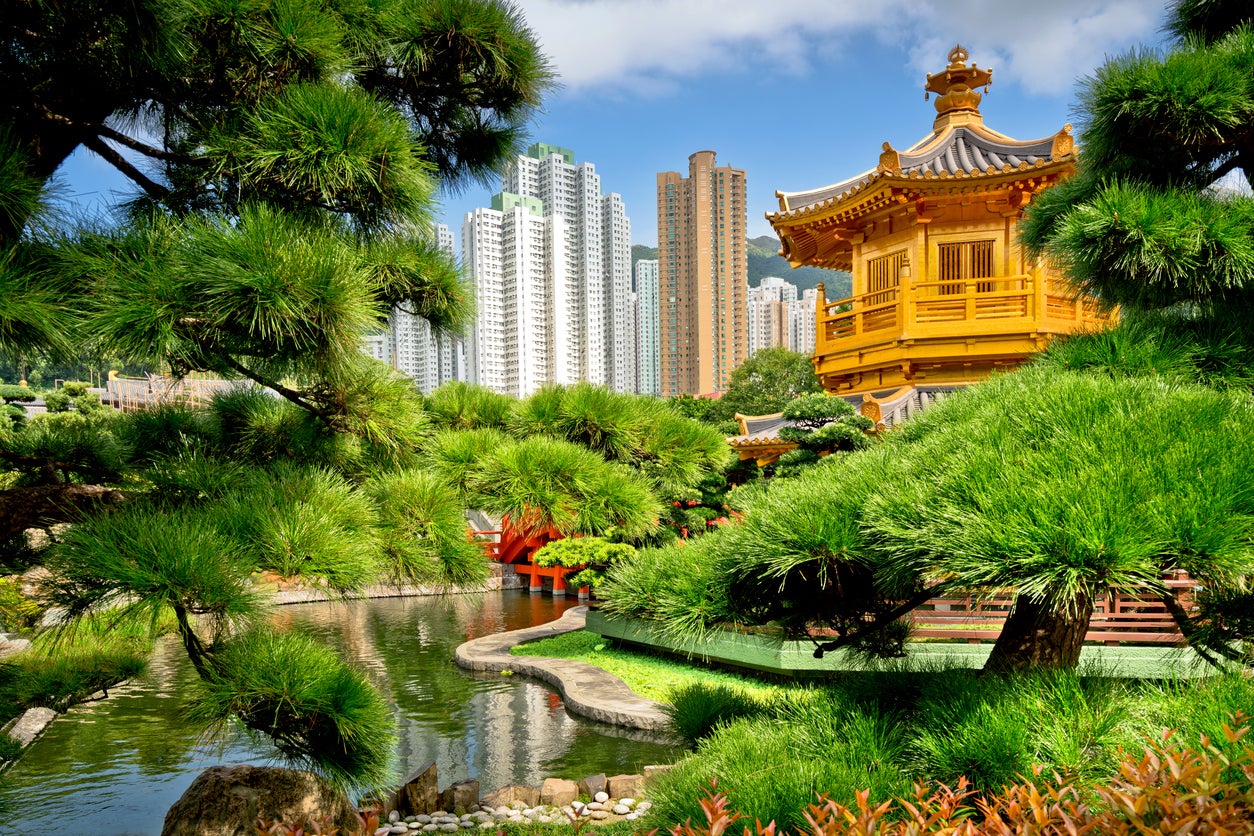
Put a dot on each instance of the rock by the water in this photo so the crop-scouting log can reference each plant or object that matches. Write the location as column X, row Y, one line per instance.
column 30, row 725
column 506, row 796
column 626, row 785
column 228, row 800
column 460, row 796
column 420, row 793
column 557, row 792
column 592, row 785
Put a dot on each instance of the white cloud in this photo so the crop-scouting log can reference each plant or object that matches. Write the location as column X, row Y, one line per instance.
column 646, row 46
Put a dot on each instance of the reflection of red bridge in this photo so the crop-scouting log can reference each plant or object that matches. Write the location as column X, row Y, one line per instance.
column 515, row 546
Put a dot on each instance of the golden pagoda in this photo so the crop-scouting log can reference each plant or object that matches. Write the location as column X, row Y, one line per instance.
column 942, row 293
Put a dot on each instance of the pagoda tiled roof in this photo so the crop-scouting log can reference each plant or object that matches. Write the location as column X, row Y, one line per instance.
column 962, row 151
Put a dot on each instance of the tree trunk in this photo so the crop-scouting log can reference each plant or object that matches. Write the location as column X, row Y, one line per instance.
column 1041, row 635
column 44, row 505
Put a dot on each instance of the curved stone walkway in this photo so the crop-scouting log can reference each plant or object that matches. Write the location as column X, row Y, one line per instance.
column 587, row 690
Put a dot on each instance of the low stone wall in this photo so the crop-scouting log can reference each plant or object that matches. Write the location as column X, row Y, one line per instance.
column 502, row 578
column 586, row 690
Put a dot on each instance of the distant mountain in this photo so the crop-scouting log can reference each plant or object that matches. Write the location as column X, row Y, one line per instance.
column 764, row 260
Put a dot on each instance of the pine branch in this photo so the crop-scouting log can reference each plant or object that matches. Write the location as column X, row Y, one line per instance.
column 1192, row 634
column 879, row 622
column 142, row 147
column 153, row 189
column 285, row 392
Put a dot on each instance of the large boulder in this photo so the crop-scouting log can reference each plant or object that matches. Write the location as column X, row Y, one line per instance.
column 228, row 800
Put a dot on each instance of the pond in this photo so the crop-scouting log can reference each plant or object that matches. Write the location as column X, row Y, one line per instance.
column 115, row 766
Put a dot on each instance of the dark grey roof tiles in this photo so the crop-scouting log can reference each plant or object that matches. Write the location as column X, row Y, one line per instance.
column 962, row 151
column 970, row 153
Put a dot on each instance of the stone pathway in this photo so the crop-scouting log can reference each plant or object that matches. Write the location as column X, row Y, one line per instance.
column 587, row 690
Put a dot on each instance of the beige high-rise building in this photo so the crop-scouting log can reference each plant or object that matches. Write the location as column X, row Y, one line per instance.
column 703, row 274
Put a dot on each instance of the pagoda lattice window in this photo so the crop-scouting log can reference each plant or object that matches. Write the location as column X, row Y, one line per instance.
column 964, row 261
column 883, row 274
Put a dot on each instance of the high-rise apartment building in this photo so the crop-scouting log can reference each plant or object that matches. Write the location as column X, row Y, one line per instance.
column 551, row 261
column 777, row 317
column 703, row 275
column 803, row 321
column 410, row 345
column 431, row 356
column 648, row 370
column 770, row 304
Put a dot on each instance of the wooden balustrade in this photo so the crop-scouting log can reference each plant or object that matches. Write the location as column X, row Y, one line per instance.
column 1118, row 617
column 921, row 309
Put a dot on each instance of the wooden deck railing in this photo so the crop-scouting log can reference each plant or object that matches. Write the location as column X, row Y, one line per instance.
column 1118, row 617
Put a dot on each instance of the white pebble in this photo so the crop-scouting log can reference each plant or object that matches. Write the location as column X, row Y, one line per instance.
column 382, row 831
column 399, row 827
column 602, row 797
column 394, row 817
column 595, row 805
column 467, row 823
column 576, row 806
column 430, row 828
column 423, row 819
column 630, row 802
column 439, row 814
column 643, row 806
column 450, row 827
column 632, row 816
column 621, row 809
column 600, row 814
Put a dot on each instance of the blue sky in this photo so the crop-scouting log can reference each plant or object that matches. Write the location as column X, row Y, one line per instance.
column 799, row 93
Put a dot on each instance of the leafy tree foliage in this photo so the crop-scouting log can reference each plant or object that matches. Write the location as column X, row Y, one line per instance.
column 1145, row 223
column 1004, row 486
column 285, row 156
column 821, row 425
column 765, row 383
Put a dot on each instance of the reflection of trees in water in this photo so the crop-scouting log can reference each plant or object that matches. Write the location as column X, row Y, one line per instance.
column 132, row 749
column 493, row 728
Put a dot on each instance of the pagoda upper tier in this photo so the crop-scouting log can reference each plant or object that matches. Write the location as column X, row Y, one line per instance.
column 942, row 292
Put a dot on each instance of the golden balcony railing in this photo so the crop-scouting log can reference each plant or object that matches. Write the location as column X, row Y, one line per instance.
column 974, row 307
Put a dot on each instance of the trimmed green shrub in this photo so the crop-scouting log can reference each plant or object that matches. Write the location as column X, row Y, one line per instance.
column 423, row 531
column 696, row 710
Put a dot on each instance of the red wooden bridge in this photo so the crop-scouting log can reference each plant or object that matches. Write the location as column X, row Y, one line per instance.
column 515, row 547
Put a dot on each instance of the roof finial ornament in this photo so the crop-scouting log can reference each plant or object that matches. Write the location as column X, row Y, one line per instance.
column 956, row 97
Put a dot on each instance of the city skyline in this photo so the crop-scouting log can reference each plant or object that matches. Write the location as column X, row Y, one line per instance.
column 796, row 96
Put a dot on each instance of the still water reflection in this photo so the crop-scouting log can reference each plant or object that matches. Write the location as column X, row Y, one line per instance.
column 115, row 767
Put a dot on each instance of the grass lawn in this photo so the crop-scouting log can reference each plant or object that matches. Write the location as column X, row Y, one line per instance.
column 648, row 675
column 772, row 746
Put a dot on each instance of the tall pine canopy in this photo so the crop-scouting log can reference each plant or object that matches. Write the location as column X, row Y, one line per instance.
column 285, row 157
column 1154, row 219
